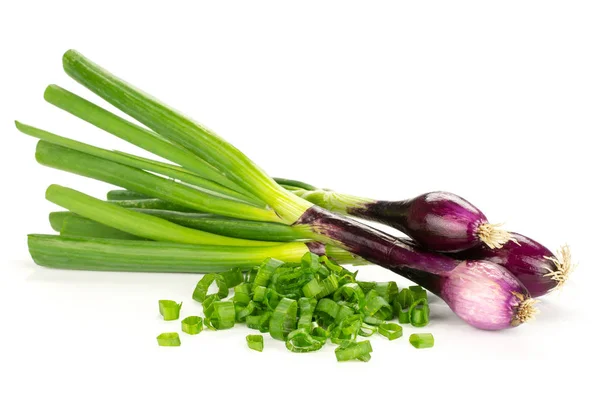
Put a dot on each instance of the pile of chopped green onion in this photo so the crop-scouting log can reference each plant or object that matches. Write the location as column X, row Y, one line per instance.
column 305, row 305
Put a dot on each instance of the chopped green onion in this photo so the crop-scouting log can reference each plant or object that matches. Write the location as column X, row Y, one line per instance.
column 300, row 341
column 283, row 320
column 265, row 271
column 241, row 293
column 311, row 260
column 208, row 304
column 168, row 339
column 350, row 292
column 354, row 351
column 333, row 267
column 202, row 287
column 376, row 306
column 244, row 312
column 387, row 290
column 259, row 294
column 307, row 308
column 404, row 317
column 223, row 315
column 320, row 334
column 169, row 309
column 251, row 275
column 418, row 292
column 271, row 299
column 390, row 330
column 419, row 313
column 343, row 313
column 255, row 342
column 328, row 286
column 260, row 322
column 290, row 280
column 403, row 300
column 421, row 340
column 192, row 325
column 373, row 320
column 312, row 288
column 233, row 277
column 367, row 330
column 347, row 329
column 326, row 311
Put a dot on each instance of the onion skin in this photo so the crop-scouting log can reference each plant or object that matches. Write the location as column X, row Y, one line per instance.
column 438, row 221
column 532, row 263
column 483, row 294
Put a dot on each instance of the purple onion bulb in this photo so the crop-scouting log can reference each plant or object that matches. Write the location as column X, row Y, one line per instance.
column 438, row 221
column 487, row 296
column 533, row 264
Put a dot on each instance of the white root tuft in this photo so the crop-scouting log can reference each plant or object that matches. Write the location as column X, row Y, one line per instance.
column 564, row 266
column 526, row 309
column 493, row 236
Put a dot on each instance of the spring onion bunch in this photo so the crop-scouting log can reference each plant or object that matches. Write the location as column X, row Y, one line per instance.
column 482, row 293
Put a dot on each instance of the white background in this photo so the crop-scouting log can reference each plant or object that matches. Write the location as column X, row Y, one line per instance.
column 496, row 101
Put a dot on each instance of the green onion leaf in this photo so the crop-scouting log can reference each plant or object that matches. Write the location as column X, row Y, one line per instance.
column 255, row 342
column 283, row 320
column 300, row 341
column 421, row 340
column 169, row 309
column 390, row 330
column 168, row 339
column 202, row 286
column 192, row 325
column 354, row 351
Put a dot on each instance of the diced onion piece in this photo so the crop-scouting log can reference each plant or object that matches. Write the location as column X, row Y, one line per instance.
column 300, row 341
column 283, row 320
column 421, row 340
column 419, row 313
column 192, row 325
column 169, row 309
column 223, row 315
column 168, row 339
column 255, row 342
column 233, row 277
column 354, row 351
column 200, row 293
column 307, row 308
column 390, row 330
